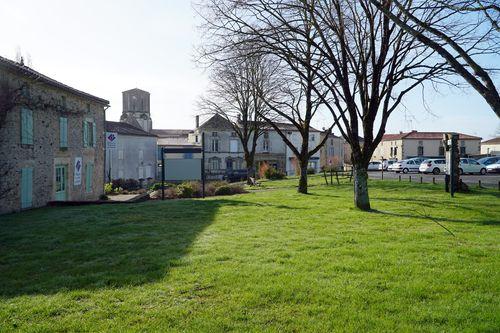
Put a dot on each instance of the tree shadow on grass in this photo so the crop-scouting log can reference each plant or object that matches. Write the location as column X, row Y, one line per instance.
column 49, row 250
column 434, row 218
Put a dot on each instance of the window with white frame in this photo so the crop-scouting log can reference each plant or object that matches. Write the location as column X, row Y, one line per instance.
column 215, row 144
column 233, row 146
column 214, row 163
column 265, row 145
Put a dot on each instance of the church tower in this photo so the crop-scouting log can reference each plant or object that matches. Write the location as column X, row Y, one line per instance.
column 136, row 109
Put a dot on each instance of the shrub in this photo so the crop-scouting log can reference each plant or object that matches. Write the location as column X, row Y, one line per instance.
column 127, row 184
column 273, row 174
column 189, row 190
column 157, row 186
column 223, row 190
column 263, row 169
column 210, row 187
column 311, row 171
column 229, row 190
column 108, row 188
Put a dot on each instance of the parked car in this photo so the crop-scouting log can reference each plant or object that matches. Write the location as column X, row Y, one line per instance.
column 436, row 166
column 470, row 165
column 409, row 165
column 493, row 168
column 386, row 164
column 391, row 166
column 489, row 160
column 373, row 166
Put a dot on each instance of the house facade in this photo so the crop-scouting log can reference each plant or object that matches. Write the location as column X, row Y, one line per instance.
column 134, row 156
column 224, row 151
column 428, row 144
column 292, row 166
column 332, row 153
column 51, row 140
column 491, row 147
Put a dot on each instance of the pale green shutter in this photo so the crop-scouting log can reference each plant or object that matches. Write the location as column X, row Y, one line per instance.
column 26, row 187
column 85, row 134
column 63, row 132
column 89, row 172
column 94, row 131
column 26, row 126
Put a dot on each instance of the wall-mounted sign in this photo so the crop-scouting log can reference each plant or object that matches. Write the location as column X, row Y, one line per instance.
column 77, row 178
column 111, row 138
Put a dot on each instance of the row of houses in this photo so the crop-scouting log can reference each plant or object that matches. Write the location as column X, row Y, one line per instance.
column 224, row 155
column 53, row 142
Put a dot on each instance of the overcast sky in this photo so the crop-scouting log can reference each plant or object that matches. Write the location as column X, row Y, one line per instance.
column 106, row 47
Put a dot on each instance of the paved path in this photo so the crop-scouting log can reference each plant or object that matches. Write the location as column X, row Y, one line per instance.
column 488, row 180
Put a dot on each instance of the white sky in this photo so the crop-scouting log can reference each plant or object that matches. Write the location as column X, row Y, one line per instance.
column 106, row 47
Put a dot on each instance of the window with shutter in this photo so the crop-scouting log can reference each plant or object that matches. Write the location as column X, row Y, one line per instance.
column 26, row 126
column 26, row 188
column 94, row 136
column 85, row 134
column 89, row 173
column 63, row 132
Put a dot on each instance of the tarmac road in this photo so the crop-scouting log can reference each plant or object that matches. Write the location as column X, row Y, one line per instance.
column 488, row 180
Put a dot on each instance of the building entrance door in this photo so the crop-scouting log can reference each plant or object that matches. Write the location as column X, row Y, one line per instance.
column 61, row 182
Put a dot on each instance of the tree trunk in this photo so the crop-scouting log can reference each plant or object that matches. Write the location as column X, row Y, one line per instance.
column 250, row 171
column 361, row 199
column 303, row 177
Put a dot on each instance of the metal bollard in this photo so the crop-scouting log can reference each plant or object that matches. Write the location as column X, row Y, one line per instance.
column 421, row 180
column 409, row 178
column 498, row 182
column 434, row 180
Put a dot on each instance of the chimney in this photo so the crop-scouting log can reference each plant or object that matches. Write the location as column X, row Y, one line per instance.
column 197, row 121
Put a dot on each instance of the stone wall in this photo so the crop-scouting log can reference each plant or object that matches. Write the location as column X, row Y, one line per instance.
column 48, row 104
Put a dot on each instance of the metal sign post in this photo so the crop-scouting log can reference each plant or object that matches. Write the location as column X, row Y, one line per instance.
column 203, row 164
column 162, row 173
column 452, row 177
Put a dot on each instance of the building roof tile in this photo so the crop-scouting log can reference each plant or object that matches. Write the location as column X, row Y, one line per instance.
column 34, row 75
column 415, row 135
column 126, row 129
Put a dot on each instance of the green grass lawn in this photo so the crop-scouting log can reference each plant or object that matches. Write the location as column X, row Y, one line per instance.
column 269, row 260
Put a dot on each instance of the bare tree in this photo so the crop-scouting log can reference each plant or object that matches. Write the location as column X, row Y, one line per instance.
column 463, row 33
column 368, row 63
column 237, row 84
column 295, row 99
column 297, row 104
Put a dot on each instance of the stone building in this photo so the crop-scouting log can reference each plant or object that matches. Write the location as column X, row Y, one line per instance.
column 427, row 144
column 136, row 109
column 295, row 138
column 332, row 153
column 51, row 140
column 134, row 156
column 224, row 151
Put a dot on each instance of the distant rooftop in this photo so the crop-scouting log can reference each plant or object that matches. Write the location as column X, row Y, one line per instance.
column 125, row 129
column 415, row 135
column 34, row 75
column 494, row 141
